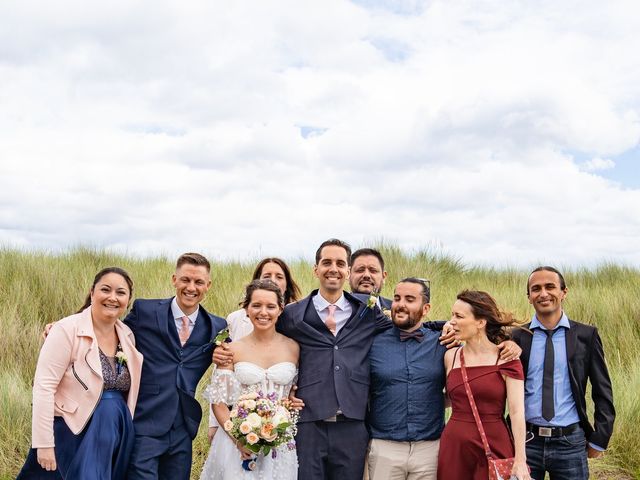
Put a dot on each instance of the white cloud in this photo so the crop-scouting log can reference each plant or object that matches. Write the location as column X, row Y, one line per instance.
column 598, row 163
column 264, row 127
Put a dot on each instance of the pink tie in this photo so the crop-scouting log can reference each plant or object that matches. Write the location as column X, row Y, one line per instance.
column 330, row 321
column 184, row 330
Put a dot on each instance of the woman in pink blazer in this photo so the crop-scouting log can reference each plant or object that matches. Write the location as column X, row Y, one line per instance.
column 85, row 389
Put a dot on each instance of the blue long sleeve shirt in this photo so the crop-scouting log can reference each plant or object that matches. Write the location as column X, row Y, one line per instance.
column 407, row 379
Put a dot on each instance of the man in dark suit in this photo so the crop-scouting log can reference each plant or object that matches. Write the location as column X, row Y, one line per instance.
column 368, row 275
column 175, row 335
column 558, row 358
column 335, row 331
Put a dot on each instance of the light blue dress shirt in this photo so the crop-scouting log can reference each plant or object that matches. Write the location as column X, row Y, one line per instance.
column 566, row 412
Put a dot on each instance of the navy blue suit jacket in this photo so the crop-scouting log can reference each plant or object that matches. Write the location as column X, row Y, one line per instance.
column 385, row 303
column 333, row 371
column 170, row 372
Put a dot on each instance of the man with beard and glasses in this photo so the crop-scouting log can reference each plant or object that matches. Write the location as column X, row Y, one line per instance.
column 368, row 275
column 406, row 403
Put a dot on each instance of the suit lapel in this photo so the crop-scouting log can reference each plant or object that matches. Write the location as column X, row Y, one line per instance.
column 357, row 311
column 385, row 303
column 570, row 343
column 312, row 318
column 202, row 335
column 164, row 317
column 299, row 313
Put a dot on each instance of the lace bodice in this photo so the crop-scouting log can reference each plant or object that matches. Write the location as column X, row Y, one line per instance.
column 226, row 385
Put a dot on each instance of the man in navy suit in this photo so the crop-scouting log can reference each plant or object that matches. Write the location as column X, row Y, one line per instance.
column 176, row 337
column 368, row 274
column 335, row 330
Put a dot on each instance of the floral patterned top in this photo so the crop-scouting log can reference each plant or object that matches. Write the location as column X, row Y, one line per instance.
column 116, row 376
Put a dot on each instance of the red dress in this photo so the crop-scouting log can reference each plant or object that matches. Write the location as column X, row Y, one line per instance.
column 461, row 455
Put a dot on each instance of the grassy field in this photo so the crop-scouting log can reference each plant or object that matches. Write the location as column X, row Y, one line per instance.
column 37, row 288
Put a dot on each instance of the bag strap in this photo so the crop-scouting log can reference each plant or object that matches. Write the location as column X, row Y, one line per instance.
column 474, row 409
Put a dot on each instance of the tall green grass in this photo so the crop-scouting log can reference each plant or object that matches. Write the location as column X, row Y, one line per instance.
column 38, row 287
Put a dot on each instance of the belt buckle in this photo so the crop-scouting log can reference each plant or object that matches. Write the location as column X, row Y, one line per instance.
column 331, row 419
column 545, row 431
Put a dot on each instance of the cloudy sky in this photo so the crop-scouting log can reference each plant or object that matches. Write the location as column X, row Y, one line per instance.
column 501, row 132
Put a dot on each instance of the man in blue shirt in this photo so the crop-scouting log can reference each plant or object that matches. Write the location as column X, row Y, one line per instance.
column 558, row 359
column 406, row 406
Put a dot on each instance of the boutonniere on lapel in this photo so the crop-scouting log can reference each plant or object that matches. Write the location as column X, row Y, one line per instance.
column 121, row 359
column 222, row 337
column 372, row 301
column 387, row 312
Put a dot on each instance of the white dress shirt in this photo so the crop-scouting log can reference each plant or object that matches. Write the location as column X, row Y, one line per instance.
column 342, row 313
column 239, row 324
column 178, row 314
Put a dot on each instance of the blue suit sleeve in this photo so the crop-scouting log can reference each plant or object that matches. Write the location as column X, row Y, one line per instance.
column 131, row 319
column 382, row 321
column 435, row 325
column 283, row 325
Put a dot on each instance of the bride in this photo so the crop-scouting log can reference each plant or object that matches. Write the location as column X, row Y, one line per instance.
column 263, row 360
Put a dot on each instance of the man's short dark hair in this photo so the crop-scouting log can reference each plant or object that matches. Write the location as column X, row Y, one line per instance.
column 368, row 252
column 193, row 259
column 547, row 268
column 335, row 243
column 426, row 290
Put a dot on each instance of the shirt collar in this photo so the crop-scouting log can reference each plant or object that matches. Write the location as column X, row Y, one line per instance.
column 321, row 303
column 178, row 313
column 564, row 322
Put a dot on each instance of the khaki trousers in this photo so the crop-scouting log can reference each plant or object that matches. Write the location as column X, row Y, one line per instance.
column 389, row 460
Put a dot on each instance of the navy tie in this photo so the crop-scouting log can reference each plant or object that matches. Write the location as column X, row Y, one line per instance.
column 548, row 409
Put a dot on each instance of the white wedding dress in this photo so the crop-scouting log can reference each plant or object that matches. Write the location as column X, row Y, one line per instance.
column 223, row 461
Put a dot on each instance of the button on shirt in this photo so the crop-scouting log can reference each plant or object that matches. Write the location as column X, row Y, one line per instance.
column 178, row 314
column 342, row 313
column 407, row 378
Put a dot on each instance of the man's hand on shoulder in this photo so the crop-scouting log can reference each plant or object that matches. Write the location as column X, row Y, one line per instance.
column 509, row 350
column 448, row 337
column 222, row 355
column 47, row 329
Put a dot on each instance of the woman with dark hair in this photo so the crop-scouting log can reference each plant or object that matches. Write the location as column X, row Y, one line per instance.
column 239, row 324
column 276, row 270
column 263, row 361
column 85, row 389
column 478, row 322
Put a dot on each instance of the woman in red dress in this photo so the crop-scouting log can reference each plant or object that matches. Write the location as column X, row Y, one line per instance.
column 478, row 322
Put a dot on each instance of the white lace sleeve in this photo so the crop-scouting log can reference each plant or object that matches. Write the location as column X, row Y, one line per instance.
column 224, row 387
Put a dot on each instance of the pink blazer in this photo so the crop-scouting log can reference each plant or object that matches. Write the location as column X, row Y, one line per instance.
column 68, row 380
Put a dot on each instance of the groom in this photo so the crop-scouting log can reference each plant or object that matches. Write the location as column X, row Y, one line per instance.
column 175, row 335
column 334, row 330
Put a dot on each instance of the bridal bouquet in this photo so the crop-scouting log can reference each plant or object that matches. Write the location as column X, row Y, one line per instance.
column 261, row 423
